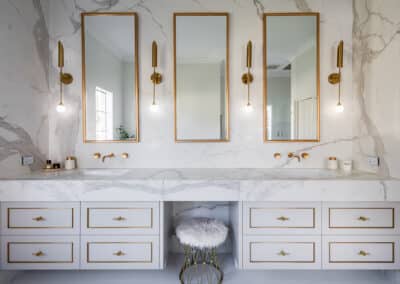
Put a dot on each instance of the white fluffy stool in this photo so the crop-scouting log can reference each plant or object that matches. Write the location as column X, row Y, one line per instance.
column 200, row 238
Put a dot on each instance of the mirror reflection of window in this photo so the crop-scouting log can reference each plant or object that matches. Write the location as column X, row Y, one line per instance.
column 104, row 115
column 110, row 89
column 292, row 91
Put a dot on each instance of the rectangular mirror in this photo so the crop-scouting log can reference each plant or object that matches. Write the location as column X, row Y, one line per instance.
column 110, row 99
column 291, row 77
column 201, row 83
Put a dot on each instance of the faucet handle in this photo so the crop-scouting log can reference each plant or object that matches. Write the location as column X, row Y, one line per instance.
column 305, row 155
column 290, row 155
column 96, row 156
column 125, row 155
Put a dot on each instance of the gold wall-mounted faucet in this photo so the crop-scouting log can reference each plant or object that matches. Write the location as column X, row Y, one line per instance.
column 109, row 156
column 303, row 156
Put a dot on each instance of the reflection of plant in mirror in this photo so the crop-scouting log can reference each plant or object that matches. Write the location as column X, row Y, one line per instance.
column 123, row 134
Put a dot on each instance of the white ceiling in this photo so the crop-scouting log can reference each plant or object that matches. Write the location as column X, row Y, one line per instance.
column 115, row 33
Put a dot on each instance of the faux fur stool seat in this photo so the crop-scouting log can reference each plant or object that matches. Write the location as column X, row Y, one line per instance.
column 202, row 233
column 200, row 238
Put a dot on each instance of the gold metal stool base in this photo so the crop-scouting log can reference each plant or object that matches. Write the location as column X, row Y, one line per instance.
column 200, row 266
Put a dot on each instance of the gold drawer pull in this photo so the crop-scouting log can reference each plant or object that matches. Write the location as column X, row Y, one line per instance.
column 282, row 218
column 119, row 218
column 363, row 253
column 119, row 253
column 39, row 219
column 38, row 254
column 363, row 219
column 283, row 253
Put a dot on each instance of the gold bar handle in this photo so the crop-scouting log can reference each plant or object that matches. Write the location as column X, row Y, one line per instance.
column 363, row 253
column 283, row 253
column 283, row 218
column 119, row 218
column 38, row 219
column 38, row 254
column 363, row 219
column 119, row 253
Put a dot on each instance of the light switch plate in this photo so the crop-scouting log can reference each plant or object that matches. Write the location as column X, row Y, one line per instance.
column 27, row 160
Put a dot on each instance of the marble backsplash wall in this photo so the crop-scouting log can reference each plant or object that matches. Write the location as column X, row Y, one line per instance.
column 24, row 70
column 376, row 57
column 157, row 147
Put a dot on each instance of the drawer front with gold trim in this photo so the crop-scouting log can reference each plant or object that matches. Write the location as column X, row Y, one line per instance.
column 34, row 252
column 40, row 218
column 120, row 218
column 361, row 252
column 281, row 218
column 282, row 252
column 120, row 252
column 361, row 218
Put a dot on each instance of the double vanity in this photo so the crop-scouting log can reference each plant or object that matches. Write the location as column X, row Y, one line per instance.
column 122, row 218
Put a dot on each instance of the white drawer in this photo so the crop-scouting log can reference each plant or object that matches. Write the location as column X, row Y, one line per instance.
column 40, row 218
column 282, row 252
column 36, row 252
column 361, row 218
column 361, row 252
column 281, row 218
column 120, row 218
column 112, row 252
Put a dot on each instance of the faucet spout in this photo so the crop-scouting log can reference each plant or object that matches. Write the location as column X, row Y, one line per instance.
column 111, row 155
column 292, row 156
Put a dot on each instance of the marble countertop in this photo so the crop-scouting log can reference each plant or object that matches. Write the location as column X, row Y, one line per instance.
column 199, row 185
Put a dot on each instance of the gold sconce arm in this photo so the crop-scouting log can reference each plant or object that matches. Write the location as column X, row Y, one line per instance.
column 156, row 77
column 65, row 78
column 247, row 78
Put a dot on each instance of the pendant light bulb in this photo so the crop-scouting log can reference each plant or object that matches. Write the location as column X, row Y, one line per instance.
column 61, row 107
column 339, row 108
column 154, row 107
column 248, row 107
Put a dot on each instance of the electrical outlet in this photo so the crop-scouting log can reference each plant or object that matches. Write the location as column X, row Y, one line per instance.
column 373, row 161
column 27, row 160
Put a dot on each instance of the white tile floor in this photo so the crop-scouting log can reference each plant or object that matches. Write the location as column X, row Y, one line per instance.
column 232, row 276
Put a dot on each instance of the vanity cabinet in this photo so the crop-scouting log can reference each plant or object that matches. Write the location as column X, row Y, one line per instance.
column 120, row 235
column 40, row 235
column 321, row 235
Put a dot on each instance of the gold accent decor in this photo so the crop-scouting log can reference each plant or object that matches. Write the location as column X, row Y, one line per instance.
column 305, row 156
column 119, row 218
column 38, row 254
column 39, row 219
column 265, row 97
column 363, row 253
column 227, row 124
column 247, row 78
column 96, row 156
column 119, row 253
column 363, row 219
column 136, row 68
column 109, row 156
column 336, row 78
column 283, row 218
column 277, row 156
column 283, row 253
column 156, row 77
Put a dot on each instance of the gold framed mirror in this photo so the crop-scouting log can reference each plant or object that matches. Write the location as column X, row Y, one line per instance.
column 201, row 77
column 291, row 77
column 110, row 85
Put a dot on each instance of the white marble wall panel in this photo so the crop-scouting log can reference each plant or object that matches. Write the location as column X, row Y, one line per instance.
column 157, row 147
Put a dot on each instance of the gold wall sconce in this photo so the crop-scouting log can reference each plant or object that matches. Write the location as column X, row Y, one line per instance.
column 65, row 78
column 336, row 78
column 156, row 77
column 247, row 78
